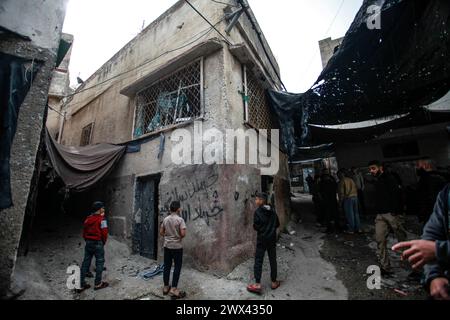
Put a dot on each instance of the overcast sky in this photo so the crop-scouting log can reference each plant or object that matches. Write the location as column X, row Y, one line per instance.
column 292, row 28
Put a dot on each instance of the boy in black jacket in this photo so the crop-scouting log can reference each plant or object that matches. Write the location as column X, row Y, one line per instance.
column 266, row 224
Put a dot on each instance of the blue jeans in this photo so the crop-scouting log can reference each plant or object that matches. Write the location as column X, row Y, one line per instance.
column 352, row 213
column 93, row 248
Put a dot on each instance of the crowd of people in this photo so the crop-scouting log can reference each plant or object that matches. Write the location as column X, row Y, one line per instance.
column 333, row 198
column 344, row 198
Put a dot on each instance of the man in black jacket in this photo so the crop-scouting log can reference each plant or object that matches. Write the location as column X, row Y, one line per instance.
column 328, row 190
column 266, row 224
column 388, row 205
column 433, row 251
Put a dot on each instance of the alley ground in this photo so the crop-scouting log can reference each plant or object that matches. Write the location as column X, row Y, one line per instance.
column 312, row 266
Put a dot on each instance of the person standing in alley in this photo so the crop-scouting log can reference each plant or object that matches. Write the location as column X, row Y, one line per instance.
column 266, row 224
column 173, row 229
column 360, row 186
column 328, row 191
column 388, row 204
column 95, row 233
column 348, row 198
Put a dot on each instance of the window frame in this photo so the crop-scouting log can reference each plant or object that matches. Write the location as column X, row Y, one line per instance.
column 91, row 126
column 172, row 125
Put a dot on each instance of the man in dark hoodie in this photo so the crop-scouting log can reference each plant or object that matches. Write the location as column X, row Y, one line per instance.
column 266, row 224
column 433, row 251
column 388, row 208
column 328, row 190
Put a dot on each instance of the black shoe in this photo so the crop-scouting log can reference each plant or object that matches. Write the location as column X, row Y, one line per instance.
column 84, row 287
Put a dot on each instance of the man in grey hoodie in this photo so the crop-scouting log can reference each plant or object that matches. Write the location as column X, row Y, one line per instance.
column 433, row 251
column 266, row 224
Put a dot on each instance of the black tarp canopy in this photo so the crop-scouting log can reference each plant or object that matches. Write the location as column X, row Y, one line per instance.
column 375, row 73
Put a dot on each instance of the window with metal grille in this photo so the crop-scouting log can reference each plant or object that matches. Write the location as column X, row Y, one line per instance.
column 86, row 134
column 257, row 111
column 172, row 100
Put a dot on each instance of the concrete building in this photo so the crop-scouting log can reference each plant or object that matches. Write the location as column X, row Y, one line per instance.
column 327, row 48
column 59, row 86
column 181, row 73
column 30, row 34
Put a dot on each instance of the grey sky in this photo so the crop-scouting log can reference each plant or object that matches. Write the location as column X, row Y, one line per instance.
column 292, row 28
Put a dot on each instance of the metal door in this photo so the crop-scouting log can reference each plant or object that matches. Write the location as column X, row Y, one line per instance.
column 147, row 197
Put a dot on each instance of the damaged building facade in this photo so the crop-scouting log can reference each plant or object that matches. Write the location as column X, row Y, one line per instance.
column 29, row 40
column 180, row 73
column 59, row 87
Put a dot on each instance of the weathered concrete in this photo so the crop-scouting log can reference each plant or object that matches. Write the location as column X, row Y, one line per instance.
column 42, row 22
column 218, row 208
column 39, row 20
column 59, row 89
column 25, row 151
column 327, row 47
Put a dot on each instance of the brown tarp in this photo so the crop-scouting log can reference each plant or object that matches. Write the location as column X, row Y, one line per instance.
column 82, row 167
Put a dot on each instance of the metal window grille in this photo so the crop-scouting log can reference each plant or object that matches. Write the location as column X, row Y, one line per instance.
column 172, row 100
column 86, row 135
column 257, row 110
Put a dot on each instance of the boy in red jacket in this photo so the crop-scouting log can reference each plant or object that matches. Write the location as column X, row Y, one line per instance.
column 95, row 233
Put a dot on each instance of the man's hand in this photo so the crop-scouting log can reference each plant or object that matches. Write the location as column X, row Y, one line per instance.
column 439, row 289
column 418, row 253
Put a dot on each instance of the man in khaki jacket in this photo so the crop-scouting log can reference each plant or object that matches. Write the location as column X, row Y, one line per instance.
column 348, row 198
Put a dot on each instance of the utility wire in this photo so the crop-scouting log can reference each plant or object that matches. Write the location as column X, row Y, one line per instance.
column 328, row 30
column 202, row 34
column 55, row 110
column 258, row 32
column 204, row 18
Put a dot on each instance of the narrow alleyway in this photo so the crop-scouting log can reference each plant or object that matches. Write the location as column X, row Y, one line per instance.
column 312, row 266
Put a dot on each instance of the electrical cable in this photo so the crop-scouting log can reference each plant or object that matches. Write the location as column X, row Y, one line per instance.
column 328, row 30
column 262, row 42
column 204, row 18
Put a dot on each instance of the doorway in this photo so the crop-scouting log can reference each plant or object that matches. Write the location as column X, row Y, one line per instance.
column 145, row 240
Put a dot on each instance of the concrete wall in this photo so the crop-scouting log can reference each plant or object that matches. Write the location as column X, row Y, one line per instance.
column 42, row 22
column 327, row 47
column 39, row 20
column 59, row 89
column 218, row 207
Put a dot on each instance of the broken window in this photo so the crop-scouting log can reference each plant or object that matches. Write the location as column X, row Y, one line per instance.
column 170, row 101
column 257, row 111
column 86, row 135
